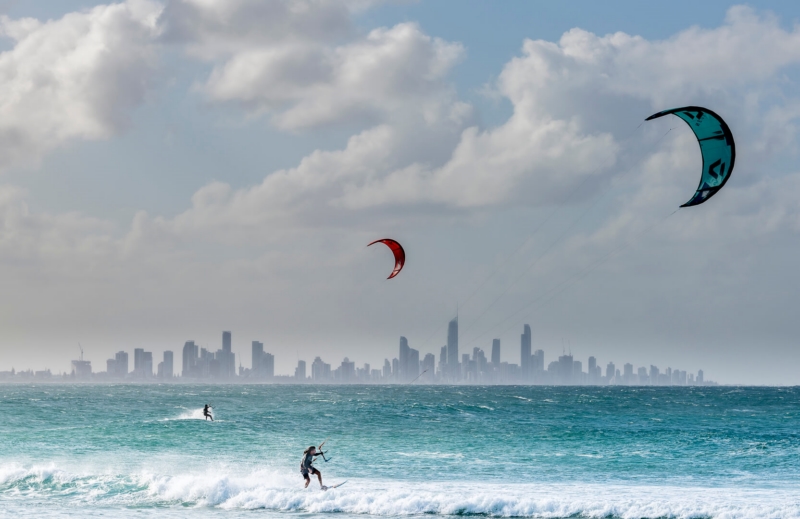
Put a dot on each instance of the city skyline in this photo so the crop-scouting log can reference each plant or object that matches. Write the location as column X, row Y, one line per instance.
column 514, row 165
column 408, row 367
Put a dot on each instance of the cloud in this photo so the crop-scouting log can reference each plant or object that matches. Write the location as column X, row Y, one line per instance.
column 73, row 78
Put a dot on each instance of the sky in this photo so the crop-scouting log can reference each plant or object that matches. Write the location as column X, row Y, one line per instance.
column 173, row 169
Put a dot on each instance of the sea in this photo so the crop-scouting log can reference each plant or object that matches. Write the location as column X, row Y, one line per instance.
column 146, row 451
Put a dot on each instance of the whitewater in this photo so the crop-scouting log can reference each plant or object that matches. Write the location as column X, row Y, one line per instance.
column 551, row 452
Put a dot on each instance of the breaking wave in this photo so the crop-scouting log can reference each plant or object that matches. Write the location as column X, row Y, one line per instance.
column 281, row 493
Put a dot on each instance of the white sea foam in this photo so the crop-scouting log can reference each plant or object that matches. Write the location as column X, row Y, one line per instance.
column 189, row 414
column 283, row 493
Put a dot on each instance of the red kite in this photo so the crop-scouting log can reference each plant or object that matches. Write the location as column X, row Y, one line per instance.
column 399, row 255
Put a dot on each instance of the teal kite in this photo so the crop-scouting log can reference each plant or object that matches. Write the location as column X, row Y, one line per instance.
column 716, row 145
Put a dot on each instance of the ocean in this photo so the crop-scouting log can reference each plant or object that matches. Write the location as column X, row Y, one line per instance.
column 500, row 451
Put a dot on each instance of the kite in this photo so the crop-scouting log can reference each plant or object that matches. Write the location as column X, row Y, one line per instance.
column 716, row 146
column 399, row 255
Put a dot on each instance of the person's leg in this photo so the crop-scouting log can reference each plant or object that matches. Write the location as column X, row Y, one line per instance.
column 319, row 476
column 308, row 480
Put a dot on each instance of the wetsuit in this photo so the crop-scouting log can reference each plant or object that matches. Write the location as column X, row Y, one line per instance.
column 305, row 464
column 207, row 412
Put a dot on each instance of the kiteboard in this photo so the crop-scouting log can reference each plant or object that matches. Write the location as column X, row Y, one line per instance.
column 334, row 486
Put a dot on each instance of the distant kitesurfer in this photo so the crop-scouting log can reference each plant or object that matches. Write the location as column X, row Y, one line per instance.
column 207, row 412
column 305, row 466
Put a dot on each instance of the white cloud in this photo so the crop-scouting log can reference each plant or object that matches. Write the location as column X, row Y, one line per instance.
column 73, row 78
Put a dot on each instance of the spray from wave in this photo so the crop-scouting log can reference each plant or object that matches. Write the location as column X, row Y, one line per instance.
column 282, row 493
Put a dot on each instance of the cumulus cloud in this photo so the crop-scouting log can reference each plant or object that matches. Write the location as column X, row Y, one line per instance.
column 73, row 78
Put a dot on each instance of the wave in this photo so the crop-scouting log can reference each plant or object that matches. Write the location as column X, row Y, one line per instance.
column 191, row 414
column 282, row 493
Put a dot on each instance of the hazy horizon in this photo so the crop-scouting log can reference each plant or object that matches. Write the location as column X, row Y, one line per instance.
column 172, row 169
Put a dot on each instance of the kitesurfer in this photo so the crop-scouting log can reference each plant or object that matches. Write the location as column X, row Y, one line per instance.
column 207, row 412
column 306, row 465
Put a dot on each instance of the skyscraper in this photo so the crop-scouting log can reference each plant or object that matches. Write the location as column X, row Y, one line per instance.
column 168, row 369
column 226, row 358
column 404, row 374
column 257, row 349
column 138, row 361
column 300, row 371
column 190, row 358
column 496, row 352
column 525, row 351
column 610, row 371
column 121, row 363
column 452, row 350
column 565, row 369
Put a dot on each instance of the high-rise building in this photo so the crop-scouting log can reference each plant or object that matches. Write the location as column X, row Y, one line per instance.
column 147, row 364
column 225, row 358
column 413, row 364
column 320, row 371
column 538, row 361
column 610, row 372
column 443, row 366
column 300, row 371
column 565, row 369
column 387, row 369
column 454, row 370
column 347, row 371
column 627, row 376
column 190, row 359
column 257, row 351
column 577, row 372
column 700, row 376
column 654, row 375
column 405, row 361
column 643, row 378
column 168, row 370
column 428, row 368
column 82, row 368
column 138, row 361
column 525, row 351
column 496, row 352
column 121, row 363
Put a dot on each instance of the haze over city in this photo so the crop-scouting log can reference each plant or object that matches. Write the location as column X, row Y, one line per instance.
column 174, row 169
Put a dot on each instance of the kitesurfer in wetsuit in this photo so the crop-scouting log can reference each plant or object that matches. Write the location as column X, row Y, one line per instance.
column 207, row 412
column 305, row 466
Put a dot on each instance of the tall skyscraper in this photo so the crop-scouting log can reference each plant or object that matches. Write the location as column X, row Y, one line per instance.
column 496, row 353
column 627, row 375
column 138, row 361
column 169, row 368
column 257, row 349
column 190, row 358
column 700, row 376
column 565, row 369
column 405, row 352
column 610, row 372
column 226, row 358
column 121, row 359
column 147, row 364
column 300, row 371
column 525, row 351
column 443, row 366
column 429, row 364
column 413, row 364
column 452, row 350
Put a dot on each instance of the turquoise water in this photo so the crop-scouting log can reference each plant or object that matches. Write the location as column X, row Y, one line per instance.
column 144, row 451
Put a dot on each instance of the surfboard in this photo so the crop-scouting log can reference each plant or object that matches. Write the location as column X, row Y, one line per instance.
column 335, row 486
